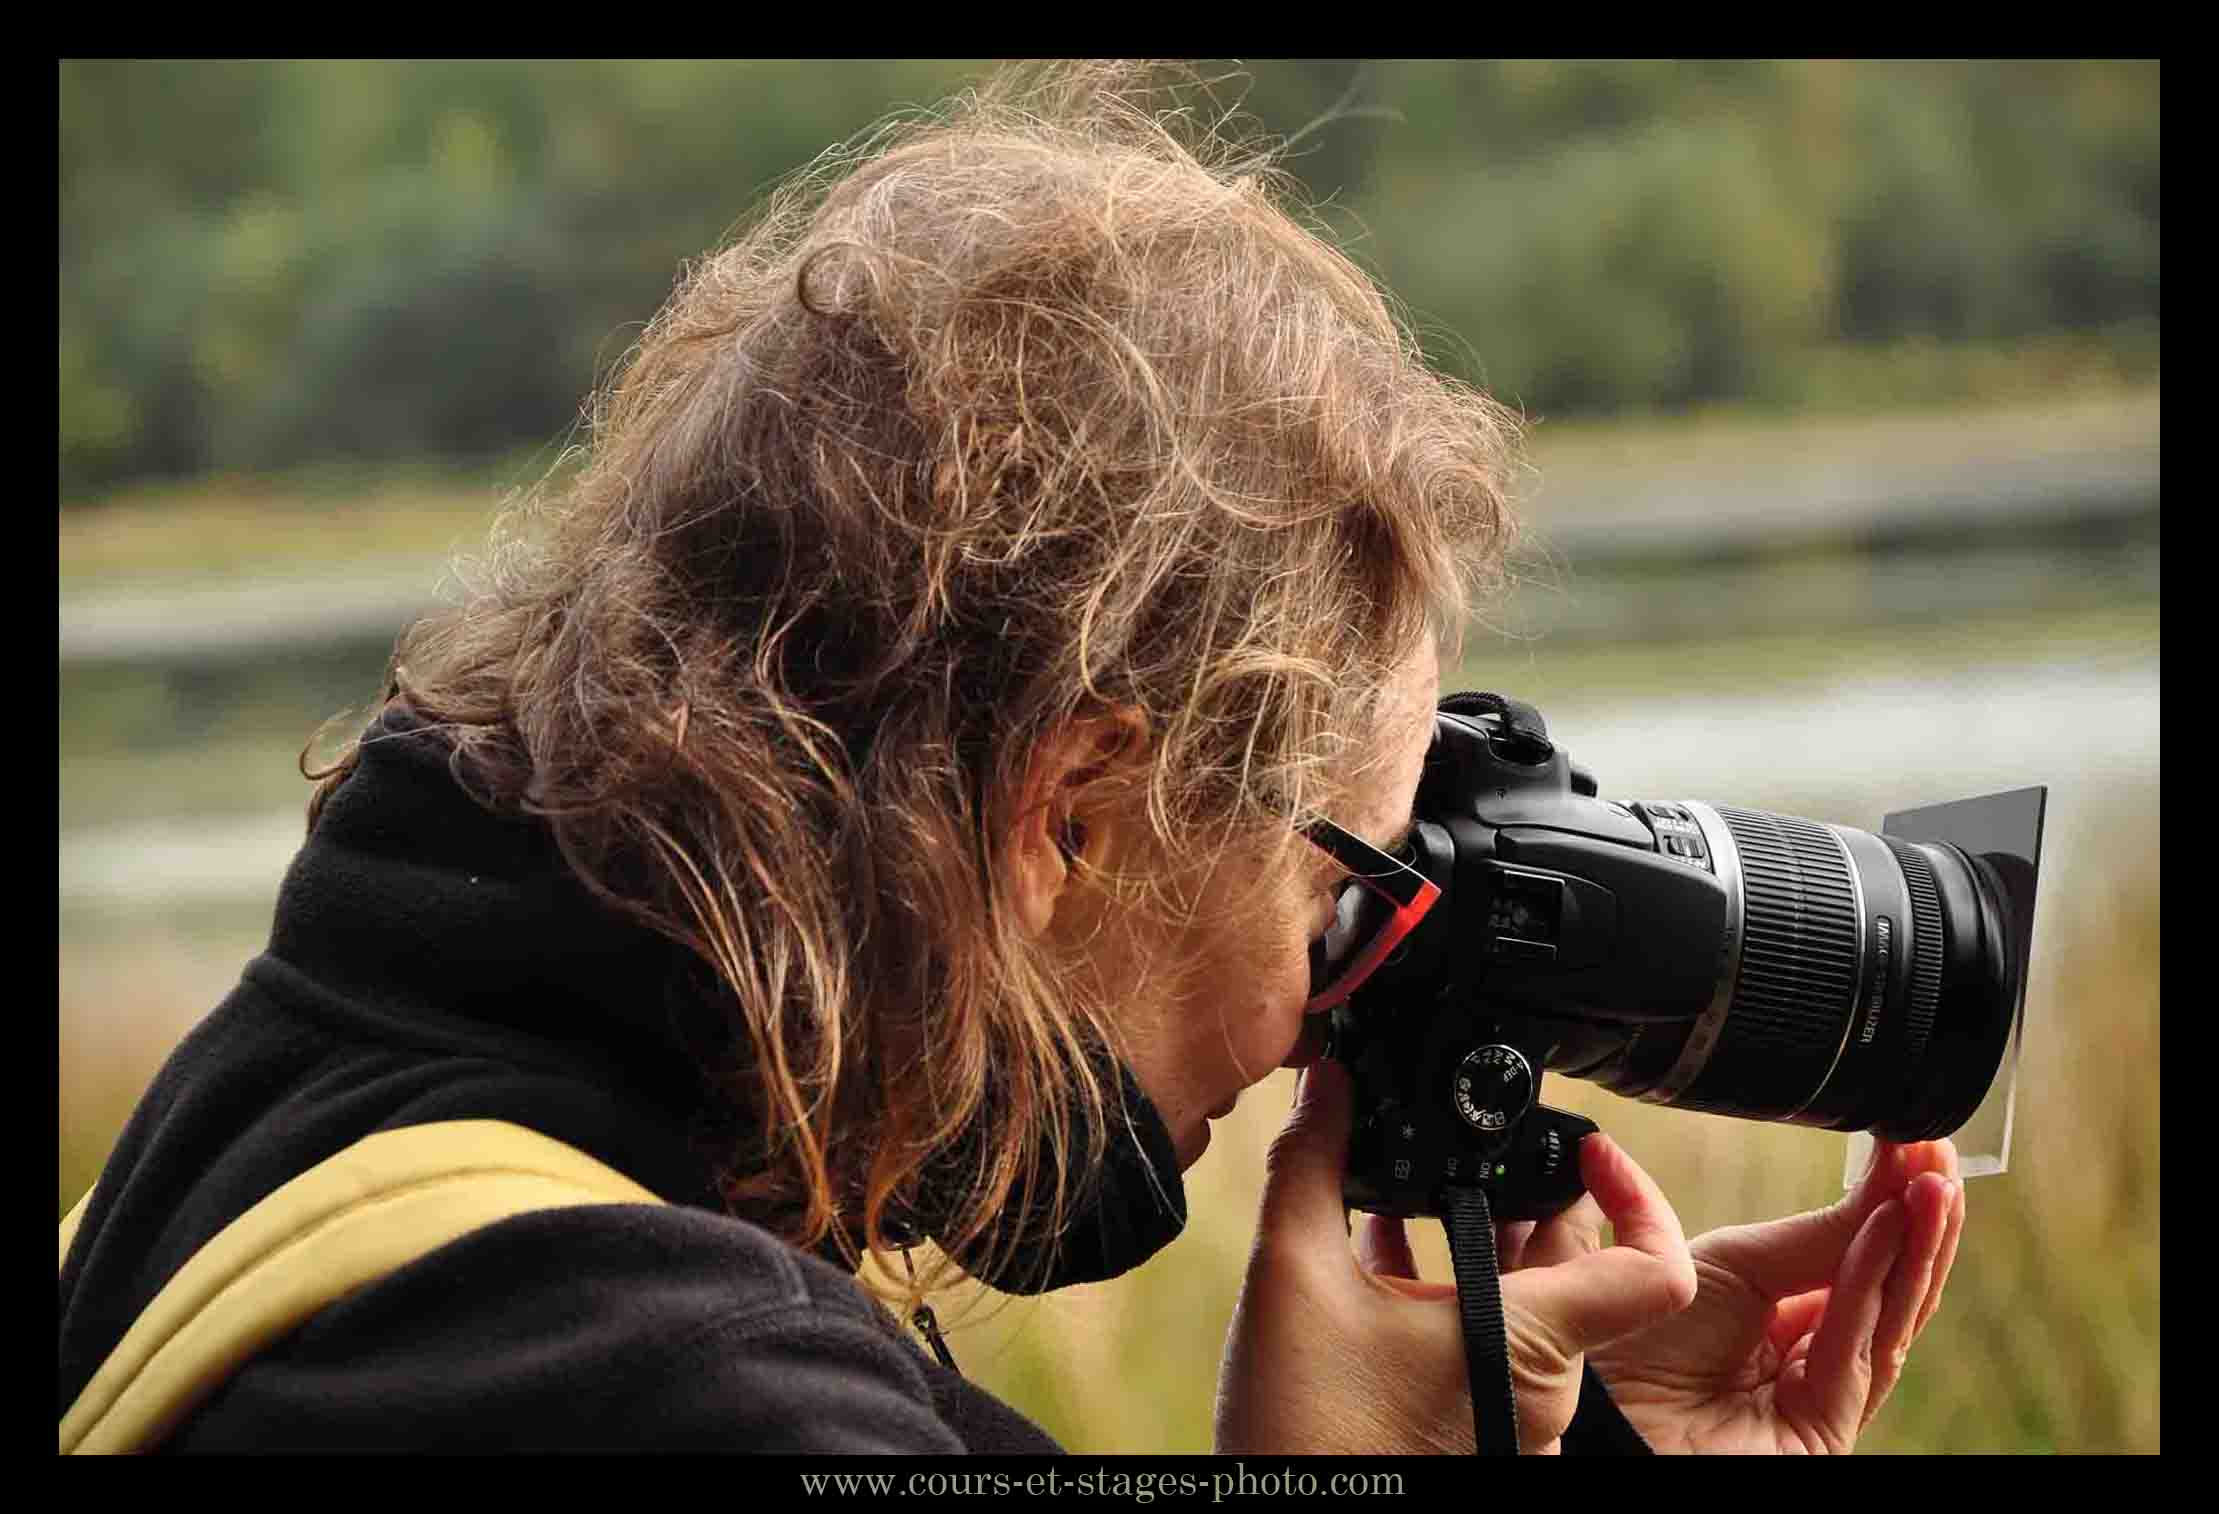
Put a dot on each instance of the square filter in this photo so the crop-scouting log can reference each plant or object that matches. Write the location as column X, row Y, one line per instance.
column 2005, row 831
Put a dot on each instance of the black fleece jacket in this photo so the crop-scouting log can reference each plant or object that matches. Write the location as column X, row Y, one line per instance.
column 433, row 961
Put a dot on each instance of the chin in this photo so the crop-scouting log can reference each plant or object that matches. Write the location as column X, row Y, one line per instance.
column 1191, row 1144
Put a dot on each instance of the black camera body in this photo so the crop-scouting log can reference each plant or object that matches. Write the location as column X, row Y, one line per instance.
column 1702, row 956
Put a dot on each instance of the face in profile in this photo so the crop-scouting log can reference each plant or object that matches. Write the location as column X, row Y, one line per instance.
column 1235, row 1013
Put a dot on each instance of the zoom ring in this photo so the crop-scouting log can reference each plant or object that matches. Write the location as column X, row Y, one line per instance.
column 1926, row 948
column 1794, row 994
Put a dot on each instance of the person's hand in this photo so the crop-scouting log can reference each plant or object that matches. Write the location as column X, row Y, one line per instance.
column 1335, row 1352
column 1800, row 1326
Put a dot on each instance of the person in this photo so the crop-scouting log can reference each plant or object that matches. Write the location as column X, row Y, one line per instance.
column 876, row 800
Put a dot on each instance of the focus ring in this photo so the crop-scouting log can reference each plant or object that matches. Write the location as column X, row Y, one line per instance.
column 1798, row 974
column 1926, row 948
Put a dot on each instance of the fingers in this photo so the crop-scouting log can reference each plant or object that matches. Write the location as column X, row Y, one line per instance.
column 1800, row 1352
column 1639, row 1215
column 1383, row 1247
column 1896, row 1165
column 1827, row 1389
column 1383, row 1251
column 1510, row 1244
column 1789, row 1256
column 1794, row 1318
column 1928, row 1205
column 1946, row 1260
column 1596, row 1297
column 1574, row 1233
column 1303, row 1169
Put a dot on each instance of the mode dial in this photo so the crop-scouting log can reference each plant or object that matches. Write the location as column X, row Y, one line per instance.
column 1494, row 1088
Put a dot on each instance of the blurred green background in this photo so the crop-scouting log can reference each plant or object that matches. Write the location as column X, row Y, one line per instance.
column 1845, row 387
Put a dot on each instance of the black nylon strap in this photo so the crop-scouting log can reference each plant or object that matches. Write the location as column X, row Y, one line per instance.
column 1599, row 1427
column 1518, row 717
column 1471, row 1231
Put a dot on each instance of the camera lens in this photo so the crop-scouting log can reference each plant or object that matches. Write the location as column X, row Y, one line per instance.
column 1864, row 982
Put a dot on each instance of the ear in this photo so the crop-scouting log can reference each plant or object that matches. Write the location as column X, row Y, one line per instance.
column 1063, row 815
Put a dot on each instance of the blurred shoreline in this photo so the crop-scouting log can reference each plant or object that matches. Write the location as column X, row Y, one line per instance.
column 1627, row 530
column 1889, row 738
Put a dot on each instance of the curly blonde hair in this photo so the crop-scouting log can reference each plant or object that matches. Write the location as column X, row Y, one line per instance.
column 1041, row 404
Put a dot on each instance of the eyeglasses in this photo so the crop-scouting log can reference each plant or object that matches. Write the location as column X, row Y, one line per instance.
column 1381, row 902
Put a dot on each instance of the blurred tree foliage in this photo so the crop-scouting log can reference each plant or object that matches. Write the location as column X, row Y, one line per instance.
column 271, row 263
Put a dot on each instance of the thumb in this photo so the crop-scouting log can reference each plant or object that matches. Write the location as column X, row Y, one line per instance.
column 1309, row 1157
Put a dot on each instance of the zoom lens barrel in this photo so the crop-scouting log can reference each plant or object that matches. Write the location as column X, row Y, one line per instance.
column 1863, row 986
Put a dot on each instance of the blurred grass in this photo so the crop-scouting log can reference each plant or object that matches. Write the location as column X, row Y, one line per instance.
column 131, row 986
column 224, row 525
column 1572, row 455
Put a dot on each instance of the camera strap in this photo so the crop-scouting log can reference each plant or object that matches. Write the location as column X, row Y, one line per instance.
column 1518, row 717
column 1471, row 1233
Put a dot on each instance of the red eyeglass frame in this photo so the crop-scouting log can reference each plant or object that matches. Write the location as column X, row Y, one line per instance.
column 1411, row 893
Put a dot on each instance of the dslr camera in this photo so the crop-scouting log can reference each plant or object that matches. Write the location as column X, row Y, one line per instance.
column 1685, row 953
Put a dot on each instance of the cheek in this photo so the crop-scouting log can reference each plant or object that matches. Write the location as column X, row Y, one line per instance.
column 1239, row 1010
column 1273, row 972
